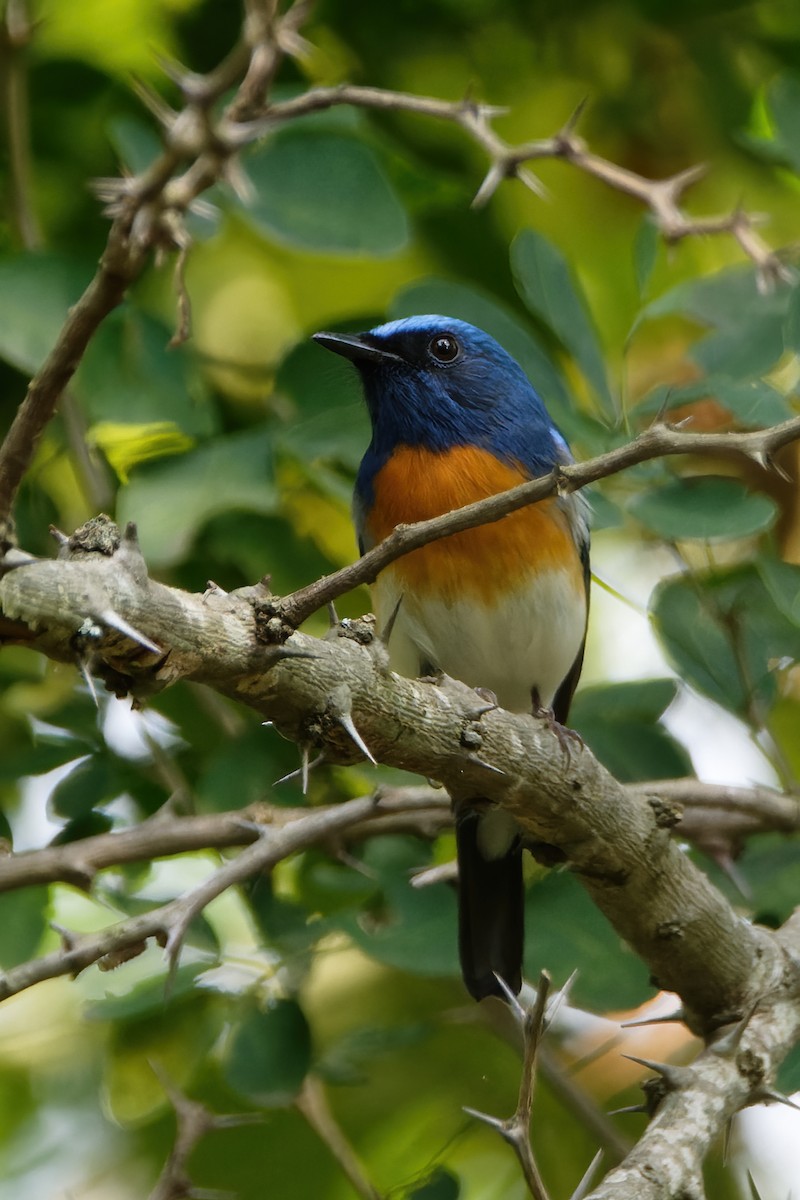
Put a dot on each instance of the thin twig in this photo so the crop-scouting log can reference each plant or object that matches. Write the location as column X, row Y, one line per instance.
column 661, row 196
column 312, row 1104
column 707, row 814
column 658, row 441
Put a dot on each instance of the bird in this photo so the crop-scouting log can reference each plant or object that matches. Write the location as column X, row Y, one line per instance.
column 503, row 606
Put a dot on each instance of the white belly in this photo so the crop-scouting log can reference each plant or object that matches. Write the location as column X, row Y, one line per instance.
column 529, row 639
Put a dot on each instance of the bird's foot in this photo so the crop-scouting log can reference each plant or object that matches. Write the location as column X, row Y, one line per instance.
column 568, row 739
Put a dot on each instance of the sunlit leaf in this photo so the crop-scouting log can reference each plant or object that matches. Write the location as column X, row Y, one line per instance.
column 130, row 376
column 126, row 446
column 170, row 501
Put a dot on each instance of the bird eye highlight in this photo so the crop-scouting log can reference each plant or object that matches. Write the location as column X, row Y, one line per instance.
column 443, row 348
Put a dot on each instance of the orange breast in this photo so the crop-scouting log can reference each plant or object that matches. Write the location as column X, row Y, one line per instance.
column 416, row 484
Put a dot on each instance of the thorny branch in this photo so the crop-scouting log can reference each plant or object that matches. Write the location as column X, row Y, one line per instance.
column 661, row 196
column 148, row 212
column 317, row 691
column 713, row 816
column 202, row 147
column 516, row 767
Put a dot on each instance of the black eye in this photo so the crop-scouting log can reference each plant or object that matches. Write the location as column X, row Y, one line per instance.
column 444, row 348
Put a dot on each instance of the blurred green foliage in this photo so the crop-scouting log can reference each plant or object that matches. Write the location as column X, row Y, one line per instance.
column 235, row 454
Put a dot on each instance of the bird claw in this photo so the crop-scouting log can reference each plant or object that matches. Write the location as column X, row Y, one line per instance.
column 567, row 738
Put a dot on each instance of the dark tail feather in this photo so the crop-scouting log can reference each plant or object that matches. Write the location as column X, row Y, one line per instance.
column 490, row 913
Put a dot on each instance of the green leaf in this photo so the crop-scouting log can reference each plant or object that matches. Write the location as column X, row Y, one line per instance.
column 269, row 1054
column 23, row 920
column 441, row 1185
column 783, row 582
column 148, row 997
column 791, row 327
column 88, row 824
column 545, row 282
column 135, row 142
column 171, row 501
column 750, row 349
column 641, row 700
column 714, row 508
column 36, row 291
column 326, row 192
column 783, row 98
column 746, row 323
column 330, row 421
column 478, row 308
column 415, row 928
column 645, row 252
column 130, row 376
column 754, row 403
column 348, row 1059
column 788, row 1080
column 568, row 932
column 326, row 886
column 619, row 722
column 768, row 865
column 605, row 512
column 724, row 635
column 92, row 782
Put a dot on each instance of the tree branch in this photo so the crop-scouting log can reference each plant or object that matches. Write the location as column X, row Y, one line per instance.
column 148, row 211
column 710, row 815
column 661, row 196
column 616, row 843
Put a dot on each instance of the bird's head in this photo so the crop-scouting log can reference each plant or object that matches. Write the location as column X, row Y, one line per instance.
column 437, row 382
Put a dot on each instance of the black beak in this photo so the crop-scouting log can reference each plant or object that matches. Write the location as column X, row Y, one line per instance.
column 355, row 347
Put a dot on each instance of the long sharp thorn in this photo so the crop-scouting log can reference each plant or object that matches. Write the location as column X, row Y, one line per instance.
column 767, row 1095
column 492, row 180
column 481, row 762
column 531, row 182
column 560, row 998
column 629, row 1108
column 109, row 617
column 678, row 1015
column 89, row 681
column 511, row 999
column 333, row 616
column 729, row 1043
column 574, row 117
column 487, row 1119
column 671, row 1075
column 347, row 723
column 304, row 769
column 583, row 1187
column 298, row 771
